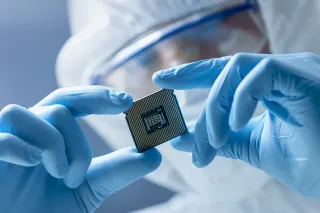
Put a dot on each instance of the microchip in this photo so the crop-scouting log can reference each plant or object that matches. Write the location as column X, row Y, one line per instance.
column 155, row 119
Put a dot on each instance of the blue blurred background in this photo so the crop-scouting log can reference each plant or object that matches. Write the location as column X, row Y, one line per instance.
column 31, row 35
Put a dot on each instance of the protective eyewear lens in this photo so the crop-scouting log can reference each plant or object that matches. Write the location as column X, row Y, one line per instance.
column 131, row 69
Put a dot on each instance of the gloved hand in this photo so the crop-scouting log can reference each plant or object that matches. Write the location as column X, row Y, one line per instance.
column 45, row 158
column 284, row 141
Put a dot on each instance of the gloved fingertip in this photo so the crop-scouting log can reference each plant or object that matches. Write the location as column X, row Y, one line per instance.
column 61, row 172
column 176, row 143
column 234, row 125
column 165, row 79
column 241, row 113
column 217, row 130
column 233, row 120
column 198, row 164
column 203, row 153
column 73, row 183
column 197, row 161
column 122, row 99
column 202, row 161
column 126, row 98
column 34, row 158
column 56, row 169
column 32, row 154
column 218, row 143
column 155, row 76
column 156, row 80
column 163, row 74
column 152, row 158
column 183, row 143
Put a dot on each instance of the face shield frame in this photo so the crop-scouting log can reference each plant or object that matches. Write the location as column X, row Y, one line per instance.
column 102, row 68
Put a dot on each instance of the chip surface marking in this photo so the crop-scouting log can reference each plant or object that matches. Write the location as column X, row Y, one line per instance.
column 155, row 119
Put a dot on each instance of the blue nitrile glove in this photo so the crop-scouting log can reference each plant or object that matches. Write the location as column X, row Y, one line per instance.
column 284, row 141
column 45, row 158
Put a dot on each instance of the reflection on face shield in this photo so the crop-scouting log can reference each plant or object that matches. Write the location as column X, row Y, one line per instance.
column 132, row 67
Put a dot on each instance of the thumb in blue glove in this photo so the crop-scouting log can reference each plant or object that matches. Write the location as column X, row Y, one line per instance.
column 283, row 141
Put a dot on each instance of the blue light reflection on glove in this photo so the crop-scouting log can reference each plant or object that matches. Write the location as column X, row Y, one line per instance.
column 45, row 158
column 284, row 141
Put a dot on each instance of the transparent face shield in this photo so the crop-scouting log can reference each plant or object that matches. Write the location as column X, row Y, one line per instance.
column 202, row 35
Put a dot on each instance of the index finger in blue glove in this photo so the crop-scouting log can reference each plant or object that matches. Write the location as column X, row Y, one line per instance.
column 110, row 173
column 200, row 74
column 87, row 100
column 216, row 72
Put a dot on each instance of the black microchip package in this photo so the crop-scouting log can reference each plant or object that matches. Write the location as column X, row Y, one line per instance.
column 155, row 119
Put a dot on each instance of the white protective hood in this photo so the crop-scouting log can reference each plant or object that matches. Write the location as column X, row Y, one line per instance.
column 292, row 25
